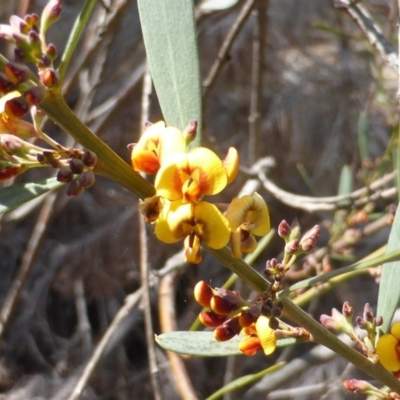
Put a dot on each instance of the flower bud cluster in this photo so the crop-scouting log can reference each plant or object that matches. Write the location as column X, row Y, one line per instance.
column 28, row 36
column 78, row 173
column 229, row 314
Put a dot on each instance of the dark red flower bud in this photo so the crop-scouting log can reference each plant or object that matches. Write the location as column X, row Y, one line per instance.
column 87, row 179
column 34, row 95
column 16, row 107
column 5, row 85
column 74, row 188
column 77, row 166
column 64, row 174
column 203, row 294
column 309, row 239
column 210, row 319
column 16, row 72
column 89, row 158
column 222, row 306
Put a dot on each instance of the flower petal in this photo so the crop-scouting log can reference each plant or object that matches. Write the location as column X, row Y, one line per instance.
column 211, row 226
column 395, row 330
column 250, row 213
column 388, row 352
column 172, row 176
column 266, row 335
column 171, row 142
column 250, row 345
column 174, row 222
column 231, row 164
column 206, row 168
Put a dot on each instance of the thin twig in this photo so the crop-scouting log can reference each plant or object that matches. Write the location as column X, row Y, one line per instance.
column 167, row 313
column 371, row 29
column 82, row 314
column 144, row 264
column 173, row 263
column 260, row 29
column 357, row 198
column 226, row 46
column 27, row 263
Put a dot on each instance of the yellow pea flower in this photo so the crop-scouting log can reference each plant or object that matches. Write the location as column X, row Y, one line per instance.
column 191, row 176
column 247, row 216
column 259, row 336
column 196, row 222
column 157, row 143
column 388, row 349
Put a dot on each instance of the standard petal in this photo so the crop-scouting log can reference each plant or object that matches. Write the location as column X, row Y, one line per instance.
column 171, row 142
column 266, row 335
column 211, row 226
column 388, row 353
column 206, row 168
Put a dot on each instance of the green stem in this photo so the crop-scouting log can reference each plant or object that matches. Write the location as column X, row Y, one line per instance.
column 109, row 163
column 326, row 338
column 240, row 268
column 76, row 33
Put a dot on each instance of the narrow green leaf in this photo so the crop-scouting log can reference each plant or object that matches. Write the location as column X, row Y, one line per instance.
column 393, row 256
column 363, row 136
column 389, row 293
column 169, row 33
column 346, row 184
column 244, row 381
column 15, row 195
column 203, row 344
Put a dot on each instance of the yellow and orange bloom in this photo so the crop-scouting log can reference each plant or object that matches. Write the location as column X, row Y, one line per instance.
column 191, row 176
column 157, row 143
column 388, row 349
column 247, row 216
column 259, row 335
column 199, row 222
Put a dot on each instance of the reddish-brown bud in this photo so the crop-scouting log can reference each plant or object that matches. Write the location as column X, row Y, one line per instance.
column 74, row 188
column 34, row 95
column 32, row 21
column 284, row 230
column 16, row 107
column 203, row 294
column 210, row 319
column 5, row 85
column 64, row 174
column 50, row 15
column 309, row 239
column 347, row 310
column 190, row 131
column 16, row 72
column 227, row 330
column 368, row 314
column 292, row 246
column 49, row 77
column 89, row 158
column 221, row 306
column 52, row 52
column 87, row 179
column 249, row 316
column 76, row 165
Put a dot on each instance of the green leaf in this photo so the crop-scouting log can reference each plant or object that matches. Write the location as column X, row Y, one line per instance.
column 203, row 344
column 389, row 293
column 15, row 195
column 169, row 33
column 244, row 380
column 345, row 184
